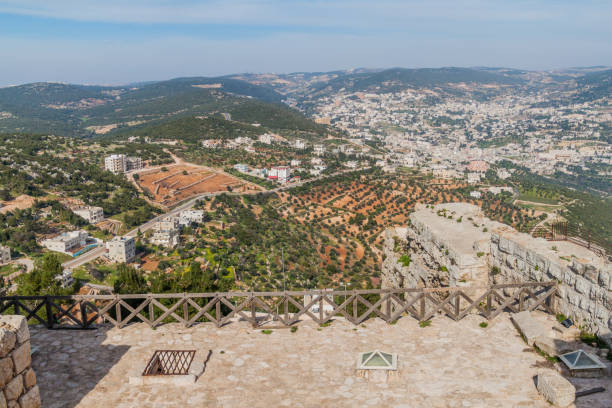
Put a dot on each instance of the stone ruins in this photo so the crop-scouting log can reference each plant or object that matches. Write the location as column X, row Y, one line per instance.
column 455, row 245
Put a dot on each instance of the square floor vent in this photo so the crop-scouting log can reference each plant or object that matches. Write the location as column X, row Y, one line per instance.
column 169, row 362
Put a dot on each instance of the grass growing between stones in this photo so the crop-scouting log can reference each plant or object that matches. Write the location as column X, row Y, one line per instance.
column 483, row 324
column 426, row 323
column 293, row 329
column 592, row 340
column 266, row 331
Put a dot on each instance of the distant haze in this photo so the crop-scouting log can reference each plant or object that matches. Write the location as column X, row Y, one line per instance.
column 117, row 41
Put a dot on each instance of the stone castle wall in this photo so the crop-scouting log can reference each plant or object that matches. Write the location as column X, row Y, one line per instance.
column 585, row 289
column 477, row 244
column 18, row 387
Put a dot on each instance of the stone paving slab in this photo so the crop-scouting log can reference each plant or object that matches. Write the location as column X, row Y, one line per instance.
column 449, row 364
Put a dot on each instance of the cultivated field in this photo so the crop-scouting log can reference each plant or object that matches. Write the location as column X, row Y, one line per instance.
column 171, row 184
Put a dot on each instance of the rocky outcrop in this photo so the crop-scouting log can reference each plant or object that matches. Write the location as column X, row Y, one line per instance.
column 17, row 379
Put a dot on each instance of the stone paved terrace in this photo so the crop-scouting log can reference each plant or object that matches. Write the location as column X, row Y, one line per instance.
column 449, row 364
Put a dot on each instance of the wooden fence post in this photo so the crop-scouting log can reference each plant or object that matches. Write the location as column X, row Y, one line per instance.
column 49, row 313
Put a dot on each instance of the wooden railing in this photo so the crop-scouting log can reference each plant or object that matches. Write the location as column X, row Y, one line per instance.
column 284, row 308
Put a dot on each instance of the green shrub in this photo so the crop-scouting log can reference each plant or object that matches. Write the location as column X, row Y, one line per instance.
column 425, row 323
column 266, row 331
column 294, row 329
column 561, row 317
column 405, row 260
column 495, row 270
column 483, row 324
column 480, row 254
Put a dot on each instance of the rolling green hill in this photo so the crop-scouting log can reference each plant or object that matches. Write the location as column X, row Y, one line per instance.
column 194, row 130
column 76, row 110
column 396, row 79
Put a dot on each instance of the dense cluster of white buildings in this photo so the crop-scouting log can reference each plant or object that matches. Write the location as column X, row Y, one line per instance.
column 446, row 134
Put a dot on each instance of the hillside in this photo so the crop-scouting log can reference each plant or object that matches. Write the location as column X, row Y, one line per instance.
column 76, row 110
column 194, row 130
column 395, row 79
column 594, row 86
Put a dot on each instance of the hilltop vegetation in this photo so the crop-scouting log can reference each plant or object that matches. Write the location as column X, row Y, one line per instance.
column 76, row 110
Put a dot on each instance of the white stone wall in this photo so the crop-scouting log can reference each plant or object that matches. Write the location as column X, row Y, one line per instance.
column 17, row 379
column 585, row 289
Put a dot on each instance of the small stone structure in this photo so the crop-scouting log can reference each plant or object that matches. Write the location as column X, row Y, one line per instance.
column 478, row 252
column 556, row 389
column 17, row 378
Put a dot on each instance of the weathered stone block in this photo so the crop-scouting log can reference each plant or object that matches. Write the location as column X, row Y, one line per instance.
column 528, row 326
column 582, row 286
column 2, row 400
column 7, row 341
column 30, row 399
column 6, row 371
column 19, row 323
column 505, row 245
column 552, row 347
column 556, row 389
column 21, row 357
column 29, row 378
column 591, row 273
column 555, row 271
column 14, row 388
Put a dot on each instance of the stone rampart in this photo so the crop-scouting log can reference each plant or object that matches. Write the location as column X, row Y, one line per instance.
column 454, row 245
column 585, row 286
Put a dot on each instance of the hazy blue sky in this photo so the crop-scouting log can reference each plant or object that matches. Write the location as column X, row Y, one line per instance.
column 119, row 41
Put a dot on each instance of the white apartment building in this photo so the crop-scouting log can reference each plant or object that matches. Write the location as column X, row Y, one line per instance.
column 166, row 232
column 319, row 149
column 66, row 241
column 133, row 163
column 295, row 163
column 189, row 217
column 119, row 163
column 280, row 173
column 5, row 255
column 115, row 163
column 92, row 215
column 299, row 144
column 121, row 249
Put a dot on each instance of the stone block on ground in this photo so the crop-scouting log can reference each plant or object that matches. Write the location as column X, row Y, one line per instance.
column 529, row 327
column 556, row 389
column 551, row 346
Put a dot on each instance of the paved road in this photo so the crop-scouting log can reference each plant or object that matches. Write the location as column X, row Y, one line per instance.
column 86, row 257
column 98, row 252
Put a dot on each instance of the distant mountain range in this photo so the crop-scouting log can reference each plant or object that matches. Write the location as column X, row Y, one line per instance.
column 80, row 110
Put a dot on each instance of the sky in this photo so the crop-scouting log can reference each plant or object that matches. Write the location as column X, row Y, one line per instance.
column 123, row 41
